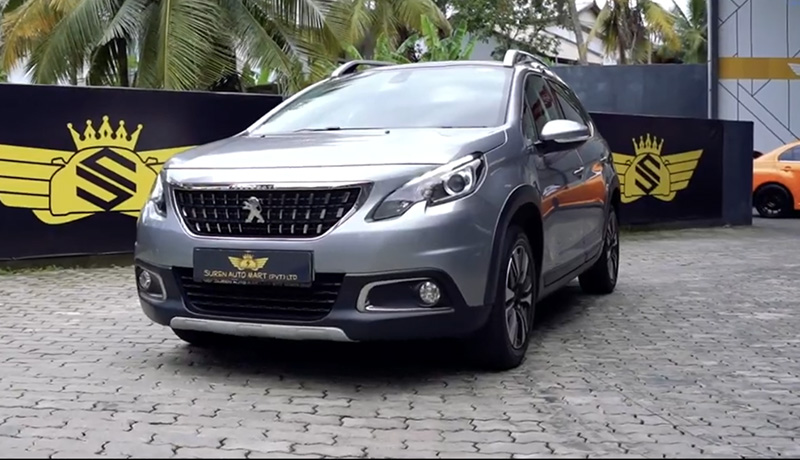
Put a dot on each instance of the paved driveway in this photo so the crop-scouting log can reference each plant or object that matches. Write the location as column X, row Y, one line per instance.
column 695, row 354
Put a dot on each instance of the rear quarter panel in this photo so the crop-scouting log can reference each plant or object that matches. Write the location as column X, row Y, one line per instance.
column 770, row 172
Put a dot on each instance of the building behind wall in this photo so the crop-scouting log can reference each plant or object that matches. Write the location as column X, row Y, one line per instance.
column 755, row 67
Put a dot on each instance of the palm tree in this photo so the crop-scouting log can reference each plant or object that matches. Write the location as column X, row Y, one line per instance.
column 186, row 44
column 692, row 28
column 629, row 27
column 395, row 20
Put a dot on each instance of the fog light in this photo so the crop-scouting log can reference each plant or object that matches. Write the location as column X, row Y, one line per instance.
column 145, row 280
column 429, row 293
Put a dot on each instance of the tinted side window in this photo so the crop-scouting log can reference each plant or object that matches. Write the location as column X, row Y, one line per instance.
column 790, row 155
column 542, row 102
column 528, row 126
column 573, row 110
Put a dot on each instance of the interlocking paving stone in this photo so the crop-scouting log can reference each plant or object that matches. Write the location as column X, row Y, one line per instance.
column 696, row 353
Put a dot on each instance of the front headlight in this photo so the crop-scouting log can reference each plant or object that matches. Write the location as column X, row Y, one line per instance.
column 444, row 184
column 157, row 194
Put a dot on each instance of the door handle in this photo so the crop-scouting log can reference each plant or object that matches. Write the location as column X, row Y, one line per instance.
column 578, row 171
column 787, row 168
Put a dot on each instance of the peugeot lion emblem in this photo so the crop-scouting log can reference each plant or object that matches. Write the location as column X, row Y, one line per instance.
column 253, row 205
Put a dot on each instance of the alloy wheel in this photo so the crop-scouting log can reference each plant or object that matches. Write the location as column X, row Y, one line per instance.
column 519, row 296
column 771, row 203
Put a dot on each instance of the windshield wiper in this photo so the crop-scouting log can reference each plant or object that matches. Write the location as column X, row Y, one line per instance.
column 339, row 128
column 330, row 128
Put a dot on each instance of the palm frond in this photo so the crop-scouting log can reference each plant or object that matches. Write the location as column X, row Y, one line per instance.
column 103, row 66
column 261, row 48
column 127, row 20
column 72, row 40
column 661, row 23
column 24, row 24
column 357, row 17
column 179, row 42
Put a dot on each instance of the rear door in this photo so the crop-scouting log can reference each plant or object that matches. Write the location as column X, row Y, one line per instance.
column 789, row 165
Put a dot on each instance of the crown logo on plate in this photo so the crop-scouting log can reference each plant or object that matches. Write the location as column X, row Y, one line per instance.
column 105, row 136
column 647, row 145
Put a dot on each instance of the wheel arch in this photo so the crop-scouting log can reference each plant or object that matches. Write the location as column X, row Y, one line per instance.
column 771, row 183
column 616, row 199
column 522, row 207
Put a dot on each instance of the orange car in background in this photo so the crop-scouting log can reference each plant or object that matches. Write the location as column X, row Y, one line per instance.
column 776, row 181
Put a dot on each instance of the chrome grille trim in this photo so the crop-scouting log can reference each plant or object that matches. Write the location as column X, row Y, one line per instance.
column 227, row 228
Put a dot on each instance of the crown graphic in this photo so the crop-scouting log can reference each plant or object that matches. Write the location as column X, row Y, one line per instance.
column 647, row 145
column 105, row 136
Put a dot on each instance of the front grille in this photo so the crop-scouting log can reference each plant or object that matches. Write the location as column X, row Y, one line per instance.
column 285, row 213
column 261, row 302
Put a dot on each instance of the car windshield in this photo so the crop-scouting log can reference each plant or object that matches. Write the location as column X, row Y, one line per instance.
column 462, row 96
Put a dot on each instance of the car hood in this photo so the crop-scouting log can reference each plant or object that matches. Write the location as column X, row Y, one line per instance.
column 340, row 148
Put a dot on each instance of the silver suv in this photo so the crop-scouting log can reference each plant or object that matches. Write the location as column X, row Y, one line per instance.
column 425, row 200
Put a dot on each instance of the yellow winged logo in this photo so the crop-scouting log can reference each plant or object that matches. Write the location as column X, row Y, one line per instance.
column 103, row 174
column 248, row 262
column 648, row 172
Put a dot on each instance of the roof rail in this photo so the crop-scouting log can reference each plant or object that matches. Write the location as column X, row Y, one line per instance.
column 350, row 66
column 513, row 57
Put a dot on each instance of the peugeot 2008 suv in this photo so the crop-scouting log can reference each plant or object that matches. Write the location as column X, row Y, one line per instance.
column 425, row 200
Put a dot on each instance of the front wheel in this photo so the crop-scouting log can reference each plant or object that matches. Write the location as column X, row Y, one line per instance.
column 601, row 278
column 502, row 343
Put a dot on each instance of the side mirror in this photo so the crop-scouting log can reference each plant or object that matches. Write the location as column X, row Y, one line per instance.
column 560, row 133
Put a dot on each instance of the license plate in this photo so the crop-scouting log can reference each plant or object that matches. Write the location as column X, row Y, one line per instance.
column 253, row 267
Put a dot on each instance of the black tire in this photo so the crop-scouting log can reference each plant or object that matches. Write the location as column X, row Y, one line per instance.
column 493, row 345
column 199, row 338
column 772, row 200
column 601, row 278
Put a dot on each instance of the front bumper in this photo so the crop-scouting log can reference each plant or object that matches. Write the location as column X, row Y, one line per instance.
column 348, row 316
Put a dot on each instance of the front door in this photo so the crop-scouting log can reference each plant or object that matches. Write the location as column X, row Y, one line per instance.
column 593, row 190
column 559, row 175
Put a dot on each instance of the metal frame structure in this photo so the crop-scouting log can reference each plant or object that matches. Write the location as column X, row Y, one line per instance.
column 511, row 58
column 351, row 66
column 514, row 57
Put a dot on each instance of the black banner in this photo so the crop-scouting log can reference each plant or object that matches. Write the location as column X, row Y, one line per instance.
column 77, row 163
column 670, row 169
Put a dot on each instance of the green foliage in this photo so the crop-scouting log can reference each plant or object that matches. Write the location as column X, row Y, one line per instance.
column 249, row 77
column 425, row 46
column 449, row 48
column 191, row 44
column 628, row 29
column 513, row 23
column 692, row 28
column 418, row 47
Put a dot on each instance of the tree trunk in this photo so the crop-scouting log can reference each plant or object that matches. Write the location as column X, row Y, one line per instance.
column 122, row 62
column 403, row 35
column 578, row 29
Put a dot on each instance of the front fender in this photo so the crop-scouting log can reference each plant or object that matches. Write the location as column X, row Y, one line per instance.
column 521, row 196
